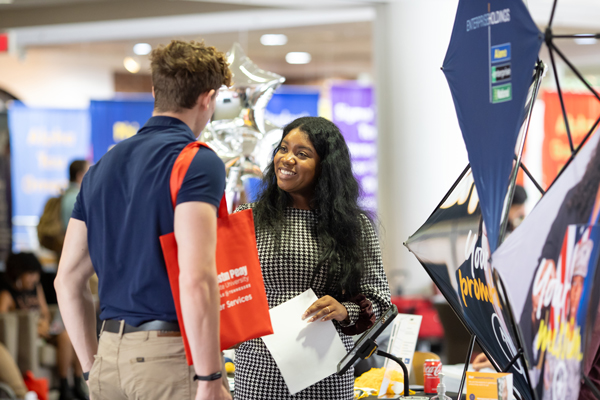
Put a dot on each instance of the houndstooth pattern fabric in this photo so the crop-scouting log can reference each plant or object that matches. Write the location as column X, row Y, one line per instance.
column 287, row 273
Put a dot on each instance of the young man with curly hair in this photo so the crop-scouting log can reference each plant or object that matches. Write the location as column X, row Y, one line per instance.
column 124, row 206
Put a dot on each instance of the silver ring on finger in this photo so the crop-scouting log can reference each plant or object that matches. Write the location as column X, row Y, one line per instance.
column 328, row 310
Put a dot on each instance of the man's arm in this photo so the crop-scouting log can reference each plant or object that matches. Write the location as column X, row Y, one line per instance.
column 196, row 234
column 73, row 293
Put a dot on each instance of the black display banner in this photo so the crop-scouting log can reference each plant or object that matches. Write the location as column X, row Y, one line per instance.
column 453, row 248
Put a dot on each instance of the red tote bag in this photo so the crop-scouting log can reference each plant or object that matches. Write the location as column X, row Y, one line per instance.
column 244, row 308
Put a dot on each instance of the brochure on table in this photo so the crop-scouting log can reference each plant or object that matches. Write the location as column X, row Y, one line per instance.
column 403, row 341
column 489, row 385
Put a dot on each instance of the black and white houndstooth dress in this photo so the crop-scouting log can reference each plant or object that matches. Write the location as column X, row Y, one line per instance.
column 287, row 273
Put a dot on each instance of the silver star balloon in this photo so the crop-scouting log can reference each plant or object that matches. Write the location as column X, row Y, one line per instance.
column 243, row 105
column 238, row 124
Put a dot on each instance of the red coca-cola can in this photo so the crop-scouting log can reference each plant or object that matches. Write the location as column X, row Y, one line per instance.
column 431, row 380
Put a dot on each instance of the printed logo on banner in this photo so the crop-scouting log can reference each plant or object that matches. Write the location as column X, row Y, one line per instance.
column 492, row 18
column 113, row 121
column 43, row 144
column 501, row 73
column 124, row 130
column 505, row 342
column 501, row 93
column 500, row 53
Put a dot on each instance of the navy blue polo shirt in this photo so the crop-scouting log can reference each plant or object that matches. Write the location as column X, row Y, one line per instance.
column 125, row 202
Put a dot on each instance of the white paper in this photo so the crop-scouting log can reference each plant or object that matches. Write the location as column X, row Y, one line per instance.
column 304, row 352
column 403, row 340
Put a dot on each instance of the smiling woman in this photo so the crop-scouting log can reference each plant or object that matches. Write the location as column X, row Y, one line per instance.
column 296, row 163
column 311, row 233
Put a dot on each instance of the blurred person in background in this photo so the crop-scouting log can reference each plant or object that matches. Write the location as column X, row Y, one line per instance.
column 23, row 291
column 77, row 170
column 516, row 214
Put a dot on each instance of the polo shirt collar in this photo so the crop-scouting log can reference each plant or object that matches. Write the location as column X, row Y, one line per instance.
column 170, row 122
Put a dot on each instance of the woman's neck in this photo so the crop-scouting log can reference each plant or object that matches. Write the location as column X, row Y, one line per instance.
column 300, row 202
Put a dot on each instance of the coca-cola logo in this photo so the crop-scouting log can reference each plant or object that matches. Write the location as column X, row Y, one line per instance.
column 433, row 370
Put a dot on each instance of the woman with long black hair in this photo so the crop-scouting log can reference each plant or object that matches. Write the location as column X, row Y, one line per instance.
column 311, row 233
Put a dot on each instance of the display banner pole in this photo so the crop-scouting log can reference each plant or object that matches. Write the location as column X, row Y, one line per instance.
column 454, row 185
column 587, row 136
column 578, row 36
column 468, row 329
column 552, row 13
column 537, row 185
column 575, row 70
column 537, row 80
column 513, row 361
column 516, row 330
column 591, row 385
column 467, row 362
column 560, row 96
column 549, row 37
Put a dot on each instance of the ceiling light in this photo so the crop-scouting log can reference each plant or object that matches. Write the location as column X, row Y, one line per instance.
column 6, row 1
column 131, row 65
column 586, row 40
column 141, row 49
column 298, row 57
column 273, row 40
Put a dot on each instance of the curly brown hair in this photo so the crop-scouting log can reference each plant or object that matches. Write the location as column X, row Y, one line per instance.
column 182, row 71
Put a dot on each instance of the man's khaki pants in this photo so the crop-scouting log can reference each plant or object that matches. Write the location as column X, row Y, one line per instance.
column 141, row 365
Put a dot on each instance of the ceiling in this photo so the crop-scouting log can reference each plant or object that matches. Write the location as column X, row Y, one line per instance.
column 337, row 33
column 338, row 50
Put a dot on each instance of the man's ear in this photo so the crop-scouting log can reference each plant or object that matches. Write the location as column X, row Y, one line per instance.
column 153, row 95
column 205, row 98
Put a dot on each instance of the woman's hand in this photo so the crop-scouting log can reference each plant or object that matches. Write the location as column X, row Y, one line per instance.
column 326, row 308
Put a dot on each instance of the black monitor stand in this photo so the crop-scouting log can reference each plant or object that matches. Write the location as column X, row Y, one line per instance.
column 370, row 347
column 366, row 346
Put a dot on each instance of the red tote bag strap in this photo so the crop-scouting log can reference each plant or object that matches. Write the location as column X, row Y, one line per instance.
column 182, row 164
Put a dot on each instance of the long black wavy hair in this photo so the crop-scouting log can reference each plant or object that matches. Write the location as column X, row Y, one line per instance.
column 335, row 200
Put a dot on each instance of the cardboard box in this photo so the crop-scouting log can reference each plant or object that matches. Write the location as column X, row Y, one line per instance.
column 489, row 386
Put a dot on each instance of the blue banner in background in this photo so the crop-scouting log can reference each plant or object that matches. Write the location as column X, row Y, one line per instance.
column 116, row 120
column 353, row 111
column 489, row 67
column 291, row 102
column 43, row 143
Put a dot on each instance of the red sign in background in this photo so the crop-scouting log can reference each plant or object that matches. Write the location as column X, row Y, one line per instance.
column 582, row 112
column 3, row 42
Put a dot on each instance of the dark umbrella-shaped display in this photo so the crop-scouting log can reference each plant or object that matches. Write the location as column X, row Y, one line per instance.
column 489, row 66
column 453, row 248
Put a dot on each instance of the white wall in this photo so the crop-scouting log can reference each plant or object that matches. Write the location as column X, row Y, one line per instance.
column 421, row 151
column 48, row 78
